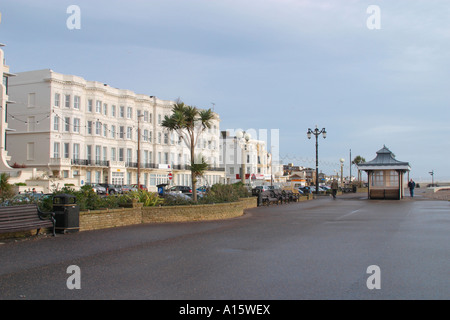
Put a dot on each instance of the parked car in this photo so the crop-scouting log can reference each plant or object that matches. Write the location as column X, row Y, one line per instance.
column 182, row 189
column 98, row 188
column 112, row 188
column 25, row 198
column 258, row 189
column 142, row 187
column 305, row 190
column 128, row 187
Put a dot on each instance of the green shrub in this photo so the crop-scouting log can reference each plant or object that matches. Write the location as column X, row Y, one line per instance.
column 148, row 199
column 174, row 200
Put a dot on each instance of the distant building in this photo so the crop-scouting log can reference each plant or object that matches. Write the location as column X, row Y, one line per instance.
column 252, row 155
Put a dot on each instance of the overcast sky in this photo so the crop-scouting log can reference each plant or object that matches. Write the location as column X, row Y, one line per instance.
column 371, row 78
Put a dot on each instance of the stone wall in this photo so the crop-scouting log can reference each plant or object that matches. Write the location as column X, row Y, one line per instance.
column 110, row 218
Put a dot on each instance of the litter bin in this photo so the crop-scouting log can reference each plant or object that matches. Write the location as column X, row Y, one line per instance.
column 67, row 213
column 260, row 202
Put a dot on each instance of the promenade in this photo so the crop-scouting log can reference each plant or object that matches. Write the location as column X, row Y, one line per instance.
column 319, row 249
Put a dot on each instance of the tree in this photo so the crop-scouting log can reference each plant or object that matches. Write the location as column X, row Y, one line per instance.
column 189, row 123
column 357, row 160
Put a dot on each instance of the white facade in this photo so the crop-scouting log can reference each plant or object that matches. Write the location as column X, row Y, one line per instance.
column 251, row 156
column 87, row 132
column 4, row 100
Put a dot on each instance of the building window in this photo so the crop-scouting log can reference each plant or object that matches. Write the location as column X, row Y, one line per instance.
column 67, row 101
column 129, row 155
column 57, row 101
column 113, row 154
column 113, row 110
column 89, row 152
column 76, row 151
column 67, row 124
column 105, row 130
column 129, row 133
column 98, row 106
column 166, row 158
column 159, row 137
column 105, row 109
column 98, row 154
column 146, row 116
column 113, row 131
column 56, row 151
column 89, row 127
column 129, row 112
column 98, row 127
column 76, row 102
column 121, row 154
column 105, row 153
column 56, row 123
column 122, row 112
column 159, row 119
column 166, row 138
column 121, row 132
column 90, row 105
column 76, row 125
column 66, row 150
column 145, row 135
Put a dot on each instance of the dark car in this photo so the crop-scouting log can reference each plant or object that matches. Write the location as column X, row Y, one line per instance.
column 182, row 189
column 112, row 188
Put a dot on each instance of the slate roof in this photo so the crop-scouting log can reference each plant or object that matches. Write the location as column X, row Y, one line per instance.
column 384, row 158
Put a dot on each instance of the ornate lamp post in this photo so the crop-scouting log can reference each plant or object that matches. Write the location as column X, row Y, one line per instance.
column 316, row 132
column 243, row 138
column 139, row 152
column 342, row 160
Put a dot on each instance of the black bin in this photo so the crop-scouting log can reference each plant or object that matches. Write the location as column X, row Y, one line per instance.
column 67, row 213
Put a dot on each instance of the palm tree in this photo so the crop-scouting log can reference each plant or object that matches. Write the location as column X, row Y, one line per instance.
column 357, row 160
column 6, row 189
column 189, row 123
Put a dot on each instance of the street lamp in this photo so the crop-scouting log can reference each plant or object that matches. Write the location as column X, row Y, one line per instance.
column 316, row 132
column 432, row 177
column 139, row 152
column 243, row 138
column 342, row 160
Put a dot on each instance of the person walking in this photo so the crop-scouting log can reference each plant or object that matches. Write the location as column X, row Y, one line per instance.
column 411, row 186
column 334, row 188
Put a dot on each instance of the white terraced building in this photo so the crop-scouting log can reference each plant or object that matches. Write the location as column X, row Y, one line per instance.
column 4, row 100
column 87, row 132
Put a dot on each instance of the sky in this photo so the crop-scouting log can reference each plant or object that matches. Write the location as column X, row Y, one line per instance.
column 371, row 76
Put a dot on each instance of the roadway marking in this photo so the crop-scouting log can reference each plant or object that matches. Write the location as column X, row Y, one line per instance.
column 348, row 214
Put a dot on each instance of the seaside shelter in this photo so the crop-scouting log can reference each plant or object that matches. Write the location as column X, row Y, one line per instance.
column 385, row 175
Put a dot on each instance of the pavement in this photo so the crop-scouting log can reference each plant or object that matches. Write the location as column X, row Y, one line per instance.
column 319, row 249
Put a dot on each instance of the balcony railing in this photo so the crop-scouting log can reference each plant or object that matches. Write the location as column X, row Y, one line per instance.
column 88, row 162
column 105, row 163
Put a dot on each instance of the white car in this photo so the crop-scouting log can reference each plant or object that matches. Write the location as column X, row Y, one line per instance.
column 98, row 189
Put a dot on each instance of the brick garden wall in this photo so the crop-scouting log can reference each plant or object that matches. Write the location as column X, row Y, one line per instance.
column 110, row 218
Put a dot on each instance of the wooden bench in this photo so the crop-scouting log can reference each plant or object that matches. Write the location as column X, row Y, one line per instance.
column 391, row 194
column 269, row 197
column 24, row 218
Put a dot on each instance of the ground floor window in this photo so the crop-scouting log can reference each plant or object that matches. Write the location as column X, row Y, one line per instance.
column 385, row 178
column 118, row 178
